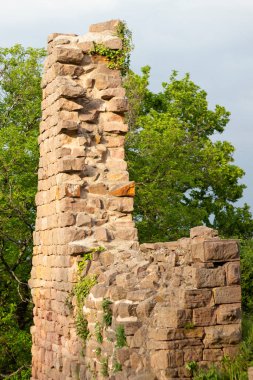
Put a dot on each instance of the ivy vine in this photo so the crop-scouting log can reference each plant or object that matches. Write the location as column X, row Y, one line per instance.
column 118, row 59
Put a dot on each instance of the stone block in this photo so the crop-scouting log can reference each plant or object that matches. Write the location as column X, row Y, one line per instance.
column 114, row 141
column 122, row 204
column 167, row 317
column 229, row 313
column 208, row 278
column 83, row 219
column 110, row 93
column 117, row 105
column 233, row 273
column 215, row 250
column 204, row 316
column 231, row 351
column 73, row 190
column 67, row 54
column 191, row 354
column 227, row 294
column 220, row 335
column 98, row 188
column 103, row 26
column 125, row 190
column 212, row 354
column 115, row 127
column 101, row 234
column 162, row 359
column 197, row 297
column 202, row 231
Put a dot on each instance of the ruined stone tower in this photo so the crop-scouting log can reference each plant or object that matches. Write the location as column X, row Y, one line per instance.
column 105, row 307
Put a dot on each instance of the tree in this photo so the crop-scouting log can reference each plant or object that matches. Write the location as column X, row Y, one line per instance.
column 20, row 102
column 183, row 177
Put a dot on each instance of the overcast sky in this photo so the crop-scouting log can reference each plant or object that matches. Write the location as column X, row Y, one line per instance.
column 210, row 39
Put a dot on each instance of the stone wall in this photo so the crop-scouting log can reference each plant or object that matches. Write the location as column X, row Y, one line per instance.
column 149, row 309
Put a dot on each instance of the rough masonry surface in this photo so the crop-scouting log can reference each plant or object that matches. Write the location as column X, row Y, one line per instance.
column 149, row 309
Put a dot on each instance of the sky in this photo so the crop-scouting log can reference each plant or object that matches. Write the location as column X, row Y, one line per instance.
column 210, row 39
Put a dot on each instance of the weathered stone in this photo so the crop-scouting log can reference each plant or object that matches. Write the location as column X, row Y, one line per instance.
column 83, row 219
column 102, row 26
column 233, row 273
column 212, row 354
column 127, row 190
column 204, row 316
column 98, row 188
column 227, row 294
column 197, row 297
column 67, row 54
column 217, row 336
column 229, row 313
column 167, row 317
column 117, row 105
column 208, row 278
column 101, row 234
column 191, row 355
column 202, row 231
column 215, row 250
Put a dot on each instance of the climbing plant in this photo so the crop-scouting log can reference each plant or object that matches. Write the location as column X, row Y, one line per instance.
column 118, row 59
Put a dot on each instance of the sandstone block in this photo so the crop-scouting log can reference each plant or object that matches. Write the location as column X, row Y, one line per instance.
column 227, row 294
column 191, row 354
column 67, row 54
column 103, row 26
column 233, row 273
column 215, row 250
column 110, row 93
column 125, row 233
column 73, row 190
column 68, row 164
column 197, row 297
column 115, row 127
column 229, row 313
column 67, row 125
column 127, row 190
column 122, row 204
column 98, row 188
column 202, row 231
column 117, row 105
column 114, row 141
column 101, row 234
column 217, row 336
column 83, row 219
column 163, row 359
column 212, row 354
column 204, row 316
column 208, row 278
column 167, row 317
column 231, row 351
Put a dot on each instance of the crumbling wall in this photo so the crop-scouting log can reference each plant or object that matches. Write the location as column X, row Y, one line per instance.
column 106, row 307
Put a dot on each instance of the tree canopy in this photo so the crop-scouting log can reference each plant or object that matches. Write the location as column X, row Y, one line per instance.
column 183, row 177
column 20, row 99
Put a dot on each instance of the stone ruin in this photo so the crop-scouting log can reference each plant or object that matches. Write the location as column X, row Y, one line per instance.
column 146, row 310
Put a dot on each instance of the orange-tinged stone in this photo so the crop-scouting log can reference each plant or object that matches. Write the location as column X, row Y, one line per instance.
column 127, row 190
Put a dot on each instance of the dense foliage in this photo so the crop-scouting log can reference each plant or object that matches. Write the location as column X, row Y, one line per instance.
column 183, row 177
column 20, row 98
